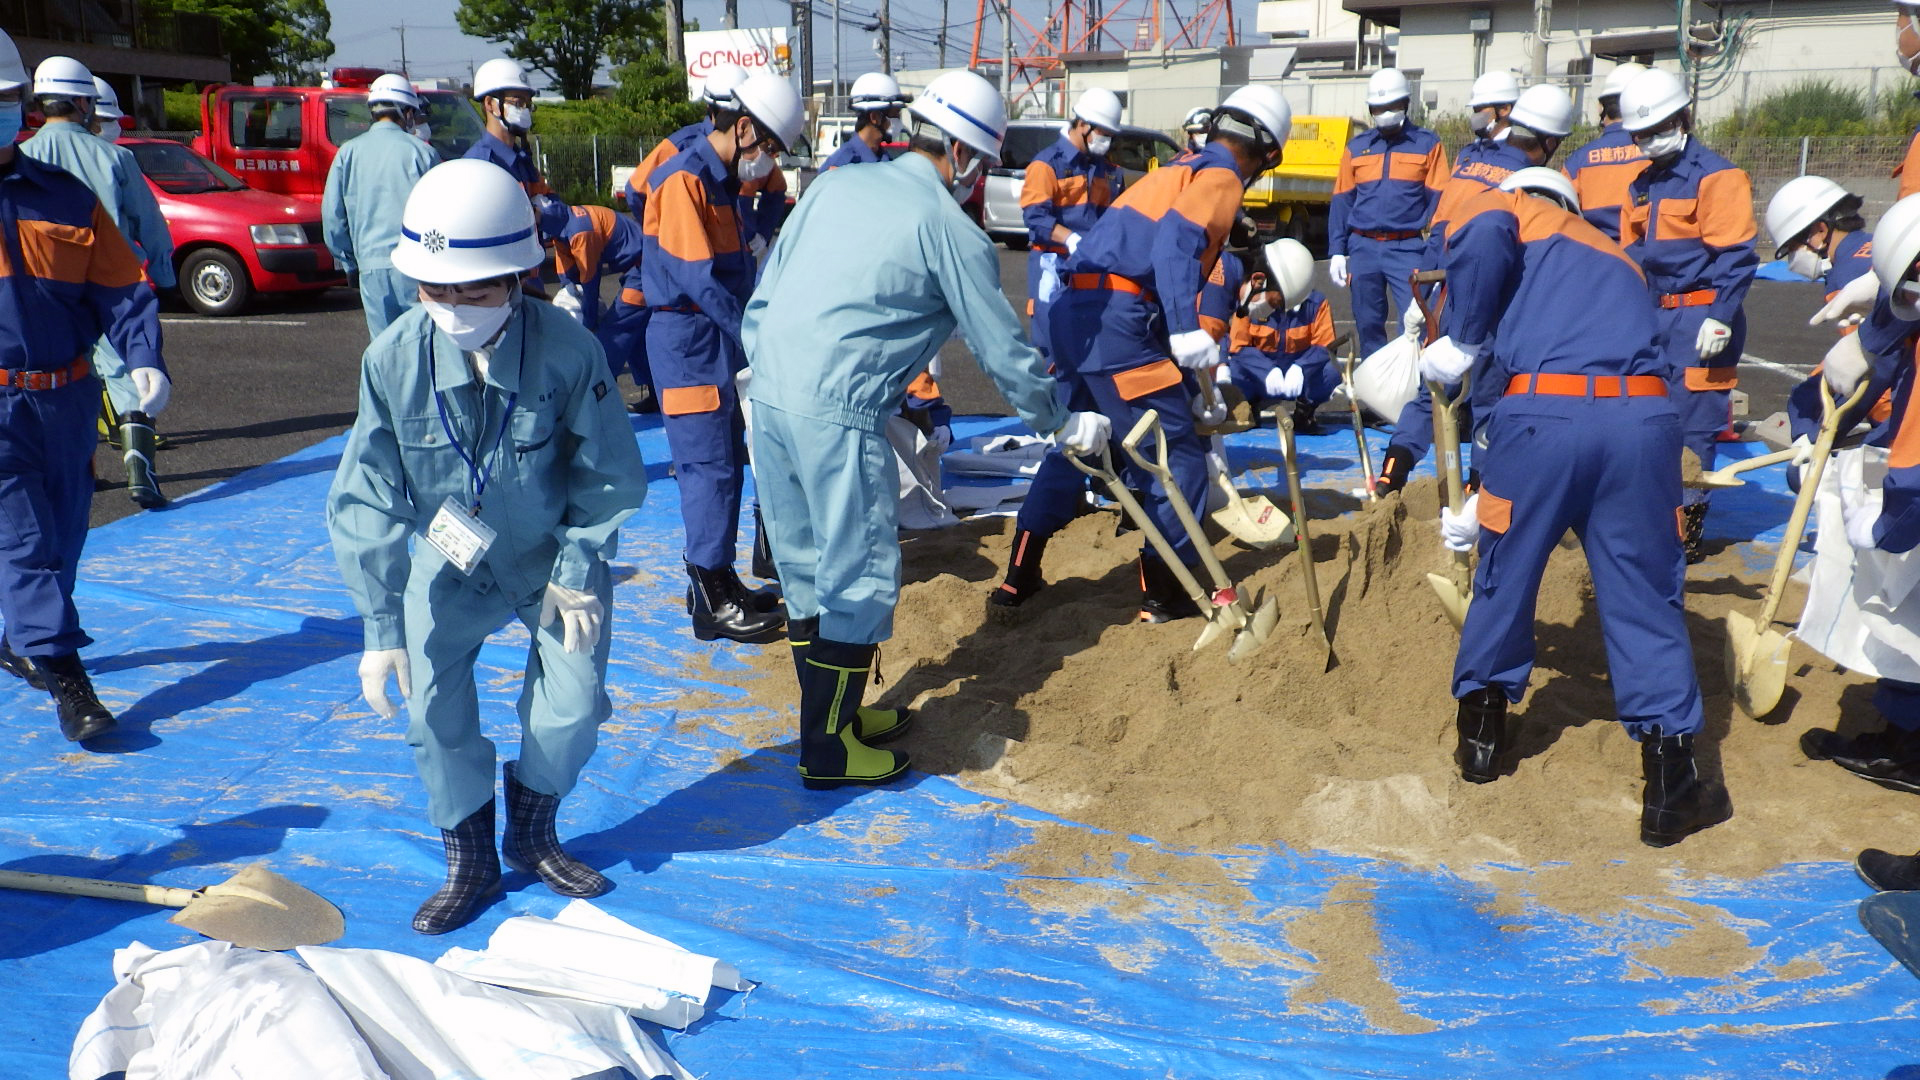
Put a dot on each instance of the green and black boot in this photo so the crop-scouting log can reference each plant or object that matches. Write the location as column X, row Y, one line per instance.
column 833, row 677
column 874, row 725
column 143, row 485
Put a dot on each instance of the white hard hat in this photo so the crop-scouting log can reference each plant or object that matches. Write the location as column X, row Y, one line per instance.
column 1386, row 86
column 13, row 73
column 1799, row 203
column 967, row 108
column 718, row 87
column 1896, row 244
column 1099, row 107
column 466, row 220
column 877, row 90
column 1538, row 180
column 1197, row 119
column 1545, row 109
column 1654, row 95
column 1292, row 266
column 774, row 106
column 1494, row 88
column 499, row 75
column 106, row 103
column 1619, row 77
column 62, row 76
column 1264, row 105
column 393, row 89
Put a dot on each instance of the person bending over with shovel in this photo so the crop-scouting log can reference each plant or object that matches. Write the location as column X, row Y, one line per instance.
column 1586, row 439
column 490, row 440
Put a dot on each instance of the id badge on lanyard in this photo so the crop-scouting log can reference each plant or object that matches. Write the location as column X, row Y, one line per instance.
column 456, row 531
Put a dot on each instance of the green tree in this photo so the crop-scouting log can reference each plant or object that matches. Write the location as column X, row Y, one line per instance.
column 562, row 39
column 286, row 39
column 649, row 86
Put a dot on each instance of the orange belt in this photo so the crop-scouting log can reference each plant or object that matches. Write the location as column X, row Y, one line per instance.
column 1113, row 282
column 1607, row 386
column 634, row 297
column 1696, row 298
column 684, row 309
column 1371, row 234
column 1051, row 248
column 47, row 380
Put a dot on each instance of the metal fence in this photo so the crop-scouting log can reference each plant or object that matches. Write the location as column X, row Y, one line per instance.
column 580, row 168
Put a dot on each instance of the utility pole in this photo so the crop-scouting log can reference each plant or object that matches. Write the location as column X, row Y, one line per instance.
column 1006, row 53
column 833, row 99
column 403, row 49
column 803, row 17
column 732, row 16
column 676, row 28
column 943, row 34
column 886, row 39
column 1542, row 22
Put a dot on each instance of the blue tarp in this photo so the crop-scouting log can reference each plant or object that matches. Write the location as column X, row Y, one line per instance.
column 887, row 934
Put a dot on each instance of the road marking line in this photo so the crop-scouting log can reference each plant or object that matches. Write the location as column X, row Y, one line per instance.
column 232, row 322
column 1794, row 371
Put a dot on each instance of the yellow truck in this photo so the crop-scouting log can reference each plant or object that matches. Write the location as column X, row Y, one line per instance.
column 1291, row 199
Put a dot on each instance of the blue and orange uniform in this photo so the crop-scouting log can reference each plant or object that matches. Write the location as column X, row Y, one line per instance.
column 624, row 333
column 516, row 159
column 1601, row 171
column 1386, row 191
column 1585, row 438
column 1068, row 187
column 851, row 151
column 697, row 275
column 70, row 278
column 1909, row 168
column 1689, row 224
column 1300, row 336
column 640, row 182
column 588, row 243
column 763, row 206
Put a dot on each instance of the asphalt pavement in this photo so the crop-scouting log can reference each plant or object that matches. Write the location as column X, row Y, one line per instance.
column 253, row 388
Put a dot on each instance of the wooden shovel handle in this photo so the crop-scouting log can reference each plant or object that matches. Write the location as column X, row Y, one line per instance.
column 97, row 887
column 1809, row 484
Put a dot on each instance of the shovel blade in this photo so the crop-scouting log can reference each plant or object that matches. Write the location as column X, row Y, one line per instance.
column 1756, row 665
column 1254, row 521
column 1893, row 918
column 1211, row 633
column 1452, row 600
column 1257, row 631
column 289, row 916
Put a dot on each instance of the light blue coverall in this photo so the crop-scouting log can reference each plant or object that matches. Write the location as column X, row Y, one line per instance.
column 115, row 178
column 558, row 481
column 367, row 187
column 844, row 317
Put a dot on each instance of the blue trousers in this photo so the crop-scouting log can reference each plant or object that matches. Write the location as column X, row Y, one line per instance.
column 1609, row 469
column 385, row 295
column 694, row 364
column 46, row 491
column 1374, row 269
column 563, row 697
column 1250, row 378
column 830, row 499
column 1898, row 703
column 1704, row 414
column 623, row 334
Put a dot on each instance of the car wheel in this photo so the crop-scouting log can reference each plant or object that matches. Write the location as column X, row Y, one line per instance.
column 214, row 282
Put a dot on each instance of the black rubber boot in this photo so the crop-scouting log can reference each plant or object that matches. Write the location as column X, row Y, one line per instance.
column 1482, row 722
column 1303, row 421
column 1164, row 598
column 1677, row 803
column 833, row 677
column 1884, row 871
column 19, row 666
column 1889, row 757
column 720, row 608
column 874, row 725
column 762, row 565
column 473, row 875
column 1023, row 575
column 531, row 846
column 82, row 717
column 143, row 484
column 1693, row 526
column 1395, row 468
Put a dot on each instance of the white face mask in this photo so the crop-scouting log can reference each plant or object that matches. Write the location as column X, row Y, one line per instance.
column 1098, row 144
column 753, row 168
column 1663, row 145
column 469, row 325
column 423, row 131
column 964, row 179
column 109, row 131
column 1259, row 309
column 1198, row 139
column 517, row 118
column 11, row 117
column 1390, row 121
column 1807, row 264
column 1483, row 121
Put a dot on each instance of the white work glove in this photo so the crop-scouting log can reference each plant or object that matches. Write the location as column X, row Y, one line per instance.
column 1084, row 433
column 941, row 438
column 1414, row 322
column 1802, row 452
column 1073, row 243
column 376, row 665
column 1712, row 339
column 1445, row 362
column 1337, row 270
column 1844, row 366
column 1223, row 375
column 1287, row 382
column 1859, row 510
column 1209, row 410
column 1459, row 531
column 1851, row 304
column 154, row 388
column 568, row 300
column 580, row 614
column 757, row 245
column 1195, row 349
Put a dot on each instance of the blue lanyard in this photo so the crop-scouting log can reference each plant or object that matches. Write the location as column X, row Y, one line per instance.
column 475, row 474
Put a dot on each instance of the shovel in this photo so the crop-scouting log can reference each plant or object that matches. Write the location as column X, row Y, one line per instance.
column 1100, row 468
column 1251, row 519
column 255, row 908
column 1455, row 590
column 1252, row 625
column 1359, row 427
column 1304, row 542
column 1756, row 652
column 1728, row 476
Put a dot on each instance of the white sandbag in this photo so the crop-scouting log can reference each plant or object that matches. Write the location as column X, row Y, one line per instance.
column 424, row 1023
column 1389, row 378
column 213, row 1010
column 1858, row 611
column 999, row 456
column 921, row 504
column 978, row 499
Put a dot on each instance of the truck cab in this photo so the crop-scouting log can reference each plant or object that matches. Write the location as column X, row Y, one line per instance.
column 282, row 138
column 1292, row 198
